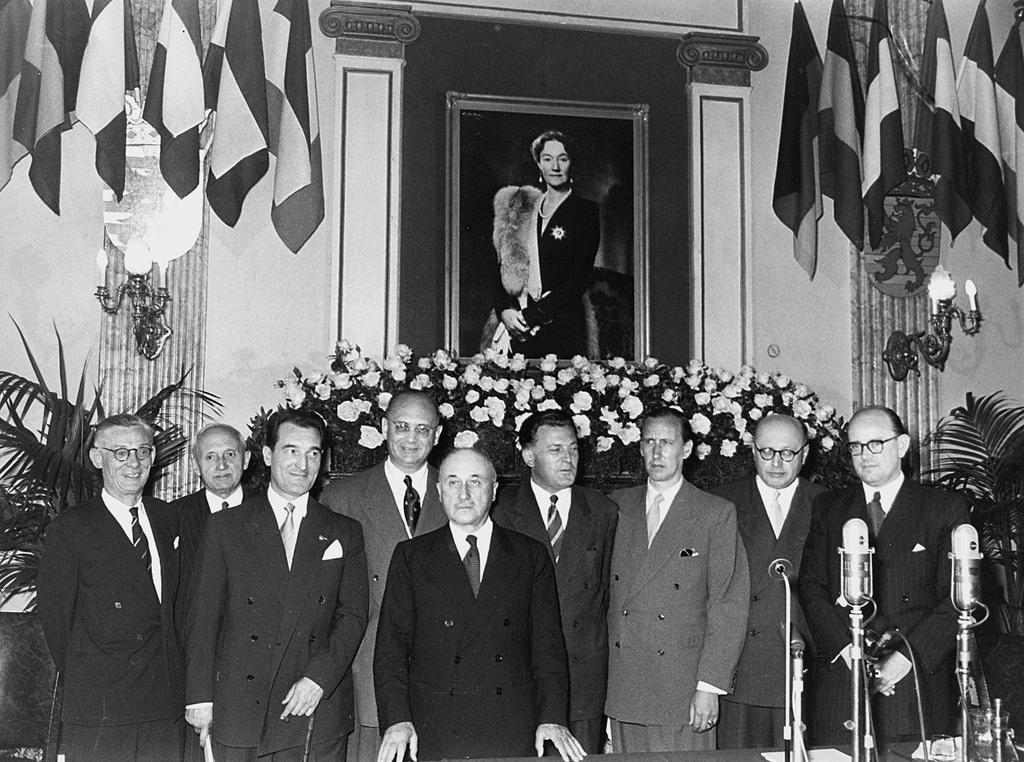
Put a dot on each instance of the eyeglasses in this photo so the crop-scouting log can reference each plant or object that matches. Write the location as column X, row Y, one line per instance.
column 121, row 453
column 768, row 453
column 404, row 427
column 874, row 446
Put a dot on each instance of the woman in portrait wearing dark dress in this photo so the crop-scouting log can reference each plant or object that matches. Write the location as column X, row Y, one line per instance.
column 546, row 242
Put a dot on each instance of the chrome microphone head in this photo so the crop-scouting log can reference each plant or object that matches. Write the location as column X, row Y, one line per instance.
column 965, row 582
column 855, row 567
column 779, row 568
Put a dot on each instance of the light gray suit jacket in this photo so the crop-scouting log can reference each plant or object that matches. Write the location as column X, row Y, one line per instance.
column 678, row 610
column 367, row 498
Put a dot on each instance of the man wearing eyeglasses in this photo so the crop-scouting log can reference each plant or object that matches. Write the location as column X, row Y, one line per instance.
column 910, row 527
column 773, row 513
column 394, row 501
column 106, row 591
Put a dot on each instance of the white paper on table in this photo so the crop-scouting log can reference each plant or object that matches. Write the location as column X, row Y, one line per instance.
column 958, row 741
column 816, row 755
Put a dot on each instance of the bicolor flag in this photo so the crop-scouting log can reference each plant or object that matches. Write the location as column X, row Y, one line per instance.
column 236, row 89
column 298, row 206
column 979, row 124
column 108, row 70
column 938, row 124
column 15, row 16
column 797, row 196
column 841, row 128
column 174, row 100
column 1010, row 108
column 882, row 167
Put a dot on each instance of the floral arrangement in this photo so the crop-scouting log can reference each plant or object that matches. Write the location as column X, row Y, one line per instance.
column 484, row 401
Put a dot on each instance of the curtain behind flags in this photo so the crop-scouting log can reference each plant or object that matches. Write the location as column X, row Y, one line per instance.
column 236, row 88
column 841, row 128
column 14, row 21
column 979, row 123
column 797, row 196
column 298, row 206
column 1010, row 107
column 882, row 162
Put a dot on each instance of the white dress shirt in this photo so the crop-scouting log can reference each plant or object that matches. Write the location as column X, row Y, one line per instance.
column 785, row 499
column 278, row 502
column 483, row 542
column 543, row 498
column 122, row 515
column 887, row 493
column 396, row 480
column 216, row 502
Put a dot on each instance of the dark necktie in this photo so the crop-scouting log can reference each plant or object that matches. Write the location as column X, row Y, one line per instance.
column 875, row 513
column 224, row 506
column 411, row 505
column 472, row 563
column 555, row 531
column 139, row 539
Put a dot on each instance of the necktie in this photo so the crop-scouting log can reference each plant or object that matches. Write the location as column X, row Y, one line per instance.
column 139, row 539
column 876, row 514
column 224, row 505
column 288, row 533
column 472, row 564
column 775, row 514
column 555, row 529
column 654, row 517
column 411, row 505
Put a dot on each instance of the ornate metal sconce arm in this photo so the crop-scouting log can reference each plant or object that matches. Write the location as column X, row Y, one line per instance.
column 149, row 320
column 901, row 349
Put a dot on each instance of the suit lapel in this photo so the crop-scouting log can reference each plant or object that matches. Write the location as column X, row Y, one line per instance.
column 265, row 538
column 112, row 536
column 632, row 531
column 310, row 545
column 432, row 515
column 493, row 585
column 576, row 538
column 525, row 516
column 380, row 508
column 164, row 540
column 762, row 546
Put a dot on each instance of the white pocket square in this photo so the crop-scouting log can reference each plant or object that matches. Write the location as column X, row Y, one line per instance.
column 333, row 551
column 176, row 539
column 917, row 548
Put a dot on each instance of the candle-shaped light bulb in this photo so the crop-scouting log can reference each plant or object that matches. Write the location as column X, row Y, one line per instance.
column 101, row 265
column 137, row 259
column 972, row 292
column 161, row 273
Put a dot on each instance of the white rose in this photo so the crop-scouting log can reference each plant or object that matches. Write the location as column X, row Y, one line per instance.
column 446, row 410
column 549, row 404
column 801, row 408
column 702, row 398
column 827, row 443
column 423, row 363
column 472, row 396
column 582, row 425
column 347, row 411
column 501, row 385
column 633, row 407
column 363, row 406
column 700, row 423
column 549, row 363
column 342, row 381
column 517, row 363
column 652, row 380
column 486, row 383
column 728, row 448
column 703, row 450
column 694, row 367
column 549, row 383
column 449, row 382
column 383, row 400
column 604, row 444
column 370, row 378
column 754, row 413
column 617, row 362
column 762, row 400
column 323, row 391
column 581, row 402
column 670, row 396
column 630, row 433
column 479, row 414
column 398, row 374
column 370, row 437
column 466, row 439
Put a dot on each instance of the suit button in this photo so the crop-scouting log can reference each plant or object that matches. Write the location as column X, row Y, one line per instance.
column 575, row 623
column 253, row 638
column 497, row 657
column 905, row 598
column 451, row 691
column 676, row 585
column 138, row 636
column 449, row 623
column 499, row 690
column 625, row 612
column 117, row 604
column 312, row 638
column 754, row 598
column 616, row 577
column 376, row 578
column 661, row 617
column 458, row 659
column 250, row 678
column 586, row 585
column 506, row 623
column 753, row 633
column 249, row 601
column 616, row 644
column 661, row 652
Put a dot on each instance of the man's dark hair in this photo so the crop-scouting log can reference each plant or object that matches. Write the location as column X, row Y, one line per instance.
column 304, row 419
column 554, row 418
column 669, row 414
column 123, row 421
column 891, row 415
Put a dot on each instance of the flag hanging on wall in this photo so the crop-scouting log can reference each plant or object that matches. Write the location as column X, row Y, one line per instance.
column 882, row 166
column 841, row 128
column 1010, row 108
column 298, row 206
column 797, row 196
column 236, row 89
column 14, row 21
column 938, row 124
column 174, row 100
column 979, row 124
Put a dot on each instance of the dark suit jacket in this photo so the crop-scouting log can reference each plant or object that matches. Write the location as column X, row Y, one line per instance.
column 761, row 673
column 582, row 574
column 678, row 610
column 108, row 633
column 475, row 676
column 911, row 592
column 255, row 627
column 367, row 498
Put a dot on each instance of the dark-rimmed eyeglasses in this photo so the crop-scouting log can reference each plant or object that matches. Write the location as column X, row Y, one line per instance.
column 121, row 453
column 786, row 454
column 874, row 446
column 404, row 427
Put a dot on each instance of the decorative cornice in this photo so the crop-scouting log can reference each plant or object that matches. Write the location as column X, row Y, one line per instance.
column 721, row 59
column 369, row 23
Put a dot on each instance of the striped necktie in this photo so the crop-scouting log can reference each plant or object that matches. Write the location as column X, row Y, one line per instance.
column 411, row 505
column 555, row 529
column 139, row 539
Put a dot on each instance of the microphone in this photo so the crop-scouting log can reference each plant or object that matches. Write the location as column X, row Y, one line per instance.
column 797, row 646
column 779, row 568
column 858, row 586
column 965, row 588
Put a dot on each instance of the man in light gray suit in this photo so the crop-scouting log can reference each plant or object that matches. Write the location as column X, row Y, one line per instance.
column 394, row 501
column 678, row 606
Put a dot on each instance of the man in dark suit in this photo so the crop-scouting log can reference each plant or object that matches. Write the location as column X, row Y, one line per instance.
column 773, row 511
column 911, row 530
column 393, row 501
column 578, row 526
column 469, row 660
column 678, row 610
column 106, row 595
column 277, row 613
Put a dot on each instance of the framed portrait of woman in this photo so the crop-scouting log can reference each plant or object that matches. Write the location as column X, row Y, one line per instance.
column 546, row 205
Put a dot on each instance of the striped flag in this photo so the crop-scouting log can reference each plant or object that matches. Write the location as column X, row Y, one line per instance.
column 236, row 88
column 797, row 196
column 14, row 21
column 1010, row 107
column 979, row 123
column 882, row 166
column 938, row 124
column 174, row 100
column 841, row 128
column 298, row 207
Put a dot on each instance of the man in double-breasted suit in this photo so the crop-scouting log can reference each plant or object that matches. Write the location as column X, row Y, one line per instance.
column 911, row 529
column 393, row 501
column 107, row 579
column 277, row 614
column 678, row 606
column 773, row 511
column 469, row 660
column 577, row 525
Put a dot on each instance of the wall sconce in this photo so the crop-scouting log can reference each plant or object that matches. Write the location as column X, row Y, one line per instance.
column 148, row 300
column 901, row 350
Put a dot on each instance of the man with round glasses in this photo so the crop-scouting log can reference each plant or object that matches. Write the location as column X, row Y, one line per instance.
column 773, row 513
column 107, row 583
column 394, row 501
column 910, row 528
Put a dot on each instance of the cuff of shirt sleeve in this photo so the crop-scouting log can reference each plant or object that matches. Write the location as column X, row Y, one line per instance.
column 845, row 656
column 709, row 688
column 200, row 705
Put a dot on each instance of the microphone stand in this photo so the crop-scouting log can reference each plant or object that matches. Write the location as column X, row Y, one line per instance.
column 796, row 730
column 792, row 731
column 861, row 744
